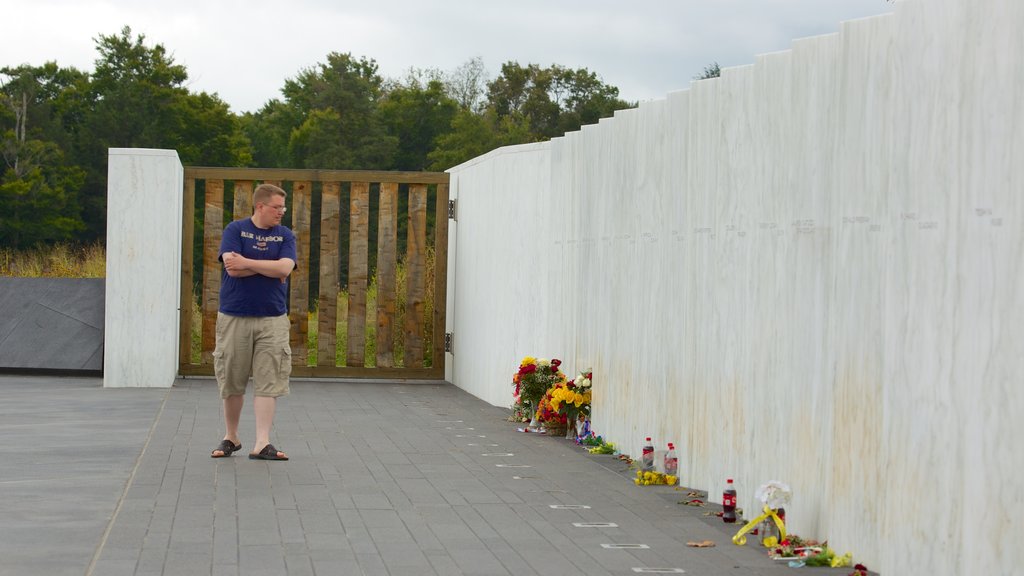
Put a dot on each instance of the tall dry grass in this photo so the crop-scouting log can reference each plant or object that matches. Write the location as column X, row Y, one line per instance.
column 57, row 261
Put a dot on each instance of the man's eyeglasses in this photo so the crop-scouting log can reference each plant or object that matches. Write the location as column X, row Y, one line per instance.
column 280, row 208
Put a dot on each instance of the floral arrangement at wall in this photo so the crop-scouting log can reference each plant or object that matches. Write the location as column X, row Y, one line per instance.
column 572, row 400
column 531, row 383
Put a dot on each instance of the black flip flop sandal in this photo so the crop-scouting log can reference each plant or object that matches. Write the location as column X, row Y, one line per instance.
column 226, row 448
column 268, row 453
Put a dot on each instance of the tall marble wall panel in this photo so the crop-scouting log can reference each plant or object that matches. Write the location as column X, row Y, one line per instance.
column 144, row 204
column 809, row 269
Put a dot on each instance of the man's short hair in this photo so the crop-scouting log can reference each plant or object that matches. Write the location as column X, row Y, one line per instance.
column 264, row 192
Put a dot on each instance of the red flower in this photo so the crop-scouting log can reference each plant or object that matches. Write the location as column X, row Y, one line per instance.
column 528, row 369
column 555, row 362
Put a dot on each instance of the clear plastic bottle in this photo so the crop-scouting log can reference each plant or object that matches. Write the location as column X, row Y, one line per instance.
column 647, row 460
column 729, row 503
column 671, row 461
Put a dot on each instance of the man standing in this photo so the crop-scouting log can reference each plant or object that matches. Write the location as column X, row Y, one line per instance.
column 252, row 324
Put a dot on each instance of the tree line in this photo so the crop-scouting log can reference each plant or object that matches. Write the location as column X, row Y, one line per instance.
column 57, row 123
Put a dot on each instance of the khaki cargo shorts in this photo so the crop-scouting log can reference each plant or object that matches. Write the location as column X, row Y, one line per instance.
column 252, row 346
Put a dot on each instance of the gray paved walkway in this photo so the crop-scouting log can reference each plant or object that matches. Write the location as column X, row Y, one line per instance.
column 384, row 478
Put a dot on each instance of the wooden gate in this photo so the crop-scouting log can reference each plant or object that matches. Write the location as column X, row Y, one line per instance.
column 362, row 304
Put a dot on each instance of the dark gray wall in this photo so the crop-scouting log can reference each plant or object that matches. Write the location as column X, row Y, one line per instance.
column 51, row 324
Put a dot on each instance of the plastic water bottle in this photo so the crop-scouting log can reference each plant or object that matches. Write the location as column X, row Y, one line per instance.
column 647, row 460
column 671, row 461
column 729, row 503
column 770, row 529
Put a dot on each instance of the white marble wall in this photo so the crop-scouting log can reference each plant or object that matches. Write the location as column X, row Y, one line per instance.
column 810, row 269
column 144, row 208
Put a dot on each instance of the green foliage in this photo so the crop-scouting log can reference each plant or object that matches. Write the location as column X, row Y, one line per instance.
column 39, row 197
column 38, row 189
column 139, row 100
column 416, row 116
column 337, row 103
column 270, row 131
column 710, row 71
column 58, row 124
column 553, row 100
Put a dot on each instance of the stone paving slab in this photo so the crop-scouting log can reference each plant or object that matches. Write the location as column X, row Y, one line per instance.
column 384, row 478
column 68, row 450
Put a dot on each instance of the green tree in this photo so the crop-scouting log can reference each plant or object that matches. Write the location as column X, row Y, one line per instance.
column 476, row 134
column 710, row 71
column 39, row 190
column 467, row 85
column 416, row 116
column 344, row 92
column 39, row 197
column 270, row 130
column 139, row 100
column 551, row 101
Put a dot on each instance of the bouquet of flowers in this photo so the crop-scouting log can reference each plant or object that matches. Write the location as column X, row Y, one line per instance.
column 533, row 379
column 553, row 422
column 573, row 398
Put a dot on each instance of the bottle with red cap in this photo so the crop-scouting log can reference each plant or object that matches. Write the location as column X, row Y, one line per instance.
column 729, row 503
column 647, row 460
column 671, row 461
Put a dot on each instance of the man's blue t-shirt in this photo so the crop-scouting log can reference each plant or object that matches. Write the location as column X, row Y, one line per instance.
column 255, row 295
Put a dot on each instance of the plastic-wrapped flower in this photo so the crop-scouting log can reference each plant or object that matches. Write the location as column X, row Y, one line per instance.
column 774, row 494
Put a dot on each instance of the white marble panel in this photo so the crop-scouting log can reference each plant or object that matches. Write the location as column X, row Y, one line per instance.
column 144, row 207
column 809, row 269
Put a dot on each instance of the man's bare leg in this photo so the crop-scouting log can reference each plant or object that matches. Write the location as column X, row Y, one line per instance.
column 232, row 415
column 265, row 406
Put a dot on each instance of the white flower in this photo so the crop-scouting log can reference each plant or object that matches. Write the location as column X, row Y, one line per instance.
column 774, row 494
column 543, row 362
column 582, row 382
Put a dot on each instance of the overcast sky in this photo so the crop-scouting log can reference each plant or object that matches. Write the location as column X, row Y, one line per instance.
column 244, row 50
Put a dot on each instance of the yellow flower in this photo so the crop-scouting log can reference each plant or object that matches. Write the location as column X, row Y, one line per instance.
column 670, row 480
column 528, row 360
column 844, row 560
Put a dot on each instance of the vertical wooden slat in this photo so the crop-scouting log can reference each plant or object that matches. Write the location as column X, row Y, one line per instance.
column 415, row 272
column 327, row 303
column 299, row 297
column 213, row 228
column 243, row 200
column 387, row 256
column 188, row 215
column 440, row 276
column 359, row 230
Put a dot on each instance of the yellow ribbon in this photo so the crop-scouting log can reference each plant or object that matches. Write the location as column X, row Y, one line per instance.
column 740, row 538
